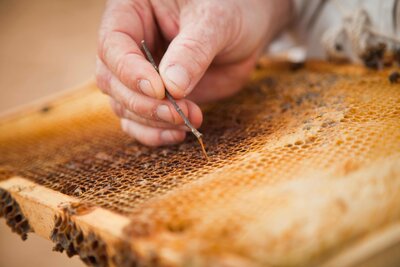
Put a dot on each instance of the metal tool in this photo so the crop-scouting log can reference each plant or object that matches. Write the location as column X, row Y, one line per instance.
column 173, row 102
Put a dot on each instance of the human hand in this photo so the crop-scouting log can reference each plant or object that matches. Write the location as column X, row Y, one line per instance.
column 209, row 49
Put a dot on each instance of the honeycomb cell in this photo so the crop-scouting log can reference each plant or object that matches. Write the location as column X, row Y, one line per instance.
column 68, row 237
column 283, row 127
column 15, row 219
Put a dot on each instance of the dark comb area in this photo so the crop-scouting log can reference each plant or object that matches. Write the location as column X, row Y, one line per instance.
column 292, row 140
column 10, row 210
column 68, row 237
column 105, row 167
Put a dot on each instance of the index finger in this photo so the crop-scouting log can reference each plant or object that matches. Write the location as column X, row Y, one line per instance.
column 121, row 31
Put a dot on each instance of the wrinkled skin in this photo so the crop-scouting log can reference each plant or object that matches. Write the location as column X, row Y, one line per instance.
column 209, row 49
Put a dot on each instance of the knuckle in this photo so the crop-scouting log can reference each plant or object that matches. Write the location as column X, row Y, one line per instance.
column 139, row 107
column 214, row 9
column 103, row 47
column 218, row 14
column 120, row 67
column 103, row 82
column 132, row 104
column 124, row 69
column 118, row 110
column 198, row 48
column 140, row 7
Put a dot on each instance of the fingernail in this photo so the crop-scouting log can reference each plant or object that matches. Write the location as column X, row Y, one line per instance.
column 168, row 136
column 164, row 113
column 146, row 88
column 178, row 76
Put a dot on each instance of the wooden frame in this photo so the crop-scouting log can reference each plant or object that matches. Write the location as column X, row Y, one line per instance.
column 41, row 205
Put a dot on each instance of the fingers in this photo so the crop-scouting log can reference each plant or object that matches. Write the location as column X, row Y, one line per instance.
column 143, row 106
column 202, row 36
column 124, row 58
column 152, row 136
column 121, row 112
column 120, row 33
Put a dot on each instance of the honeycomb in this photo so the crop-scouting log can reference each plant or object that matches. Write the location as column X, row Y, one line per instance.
column 303, row 161
column 69, row 237
column 126, row 257
column 10, row 210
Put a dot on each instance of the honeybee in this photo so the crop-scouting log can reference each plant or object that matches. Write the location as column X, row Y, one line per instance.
column 76, row 208
column 394, row 77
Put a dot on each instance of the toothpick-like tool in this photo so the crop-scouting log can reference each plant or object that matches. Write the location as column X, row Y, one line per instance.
column 173, row 102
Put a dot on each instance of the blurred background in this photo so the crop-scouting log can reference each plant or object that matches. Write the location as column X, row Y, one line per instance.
column 46, row 46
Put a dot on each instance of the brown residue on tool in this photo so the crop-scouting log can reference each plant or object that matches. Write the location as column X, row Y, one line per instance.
column 173, row 102
column 203, row 148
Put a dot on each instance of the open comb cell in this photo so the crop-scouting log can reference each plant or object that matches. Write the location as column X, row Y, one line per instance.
column 302, row 163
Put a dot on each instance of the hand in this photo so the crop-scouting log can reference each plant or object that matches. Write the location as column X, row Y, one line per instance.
column 209, row 49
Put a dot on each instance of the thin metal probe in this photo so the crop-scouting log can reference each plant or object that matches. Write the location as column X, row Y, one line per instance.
column 173, row 102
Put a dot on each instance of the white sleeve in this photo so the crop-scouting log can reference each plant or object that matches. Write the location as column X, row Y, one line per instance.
column 313, row 18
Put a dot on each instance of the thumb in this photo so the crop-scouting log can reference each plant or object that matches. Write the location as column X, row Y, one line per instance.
column 190, row 54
